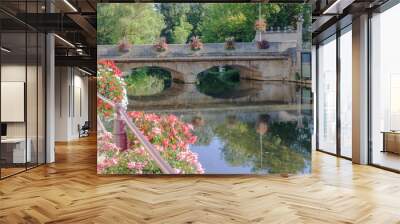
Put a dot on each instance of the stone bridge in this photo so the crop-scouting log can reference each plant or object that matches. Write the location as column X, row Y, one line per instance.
column 280, row 61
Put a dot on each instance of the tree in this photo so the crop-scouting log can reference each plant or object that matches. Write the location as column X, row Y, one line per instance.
column 140, row 23
column 225, row 20
column 194, row 17
column 174, row 15
column 237, row 20
column 180, row 33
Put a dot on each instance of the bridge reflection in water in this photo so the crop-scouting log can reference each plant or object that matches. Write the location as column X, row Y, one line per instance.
column 182, row 95
column 262, row 127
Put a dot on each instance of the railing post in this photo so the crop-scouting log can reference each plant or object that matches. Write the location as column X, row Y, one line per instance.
column 119, row 132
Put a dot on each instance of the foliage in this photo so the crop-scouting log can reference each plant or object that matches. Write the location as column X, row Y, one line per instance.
column 182, row 21
column 176, row 29
column 144, row 23
column 139, row 22
column 180, row 33
column 170, row 136
column 295, row 137
column 194, row 17
column 111, row 85
column 225, row 20
column 237, row 20
column 218, row 83
column 147, row 81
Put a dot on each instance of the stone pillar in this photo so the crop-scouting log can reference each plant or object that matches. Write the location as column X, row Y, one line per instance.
column 360, row 90
column 190, row 78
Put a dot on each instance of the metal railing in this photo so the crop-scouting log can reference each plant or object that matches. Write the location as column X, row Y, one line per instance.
column 120, row 135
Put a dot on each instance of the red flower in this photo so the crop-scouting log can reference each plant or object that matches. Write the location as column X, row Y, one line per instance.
column 165, row 142
column 107, row 106
column 110, row 85
column 111, row 64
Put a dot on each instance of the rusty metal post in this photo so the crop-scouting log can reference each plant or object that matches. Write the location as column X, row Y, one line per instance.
column 119, row 132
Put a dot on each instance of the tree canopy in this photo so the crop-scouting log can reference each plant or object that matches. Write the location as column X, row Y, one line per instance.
column 237, row 20
column 144, row 23
column 138, row 22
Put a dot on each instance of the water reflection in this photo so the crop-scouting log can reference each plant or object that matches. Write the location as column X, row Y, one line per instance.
column 252, row 142
column 252, row 134
column 181, row 95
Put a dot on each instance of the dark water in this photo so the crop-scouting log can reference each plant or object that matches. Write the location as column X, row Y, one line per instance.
column 268, row 131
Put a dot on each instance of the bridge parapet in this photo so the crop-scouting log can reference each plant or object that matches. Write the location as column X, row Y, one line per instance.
column 242, row 49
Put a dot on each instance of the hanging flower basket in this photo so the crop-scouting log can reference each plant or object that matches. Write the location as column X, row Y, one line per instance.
column 196, row 44
column 260, row 25
column 262, row 44
column 162, row 45
column 124, row 45
column 230, row 43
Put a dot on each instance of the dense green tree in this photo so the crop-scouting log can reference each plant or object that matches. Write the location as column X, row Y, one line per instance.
column 174, row 15
column 180, row 33
column 219, row 82
column 178, row 22
column 139, row 23
column 147, row 81
column 194, row 16
column 224, row 20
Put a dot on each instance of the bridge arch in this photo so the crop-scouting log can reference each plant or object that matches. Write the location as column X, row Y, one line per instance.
column 233, row 82
column 176, row 75
column 246, row 70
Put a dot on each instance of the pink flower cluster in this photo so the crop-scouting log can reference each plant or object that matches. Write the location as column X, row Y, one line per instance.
column 105, row 144
column 138, row 166
column 169, row 135
column 106, row 163
column 108, row 152
column 191, row 158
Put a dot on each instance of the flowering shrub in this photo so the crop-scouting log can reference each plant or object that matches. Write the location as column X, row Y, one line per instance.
column 162, row 45
column 108, row 152
column 170, row 136
column 111, row 85
column 230, row 43
column 260, row 25
column 196, row 44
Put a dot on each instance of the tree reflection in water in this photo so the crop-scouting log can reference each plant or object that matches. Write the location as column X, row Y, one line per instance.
column 203, row 131
column 265, row 146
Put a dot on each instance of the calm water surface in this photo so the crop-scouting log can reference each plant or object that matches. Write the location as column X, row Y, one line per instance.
column 264, row 127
